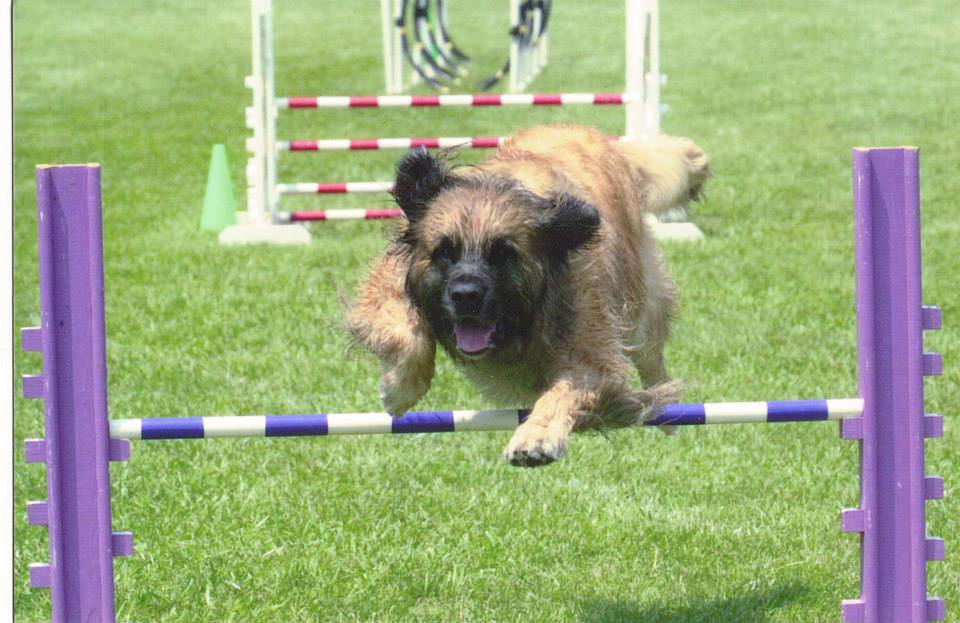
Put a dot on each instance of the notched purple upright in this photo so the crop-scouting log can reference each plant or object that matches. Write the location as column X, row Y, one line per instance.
column 77, row 447
column 892, row 364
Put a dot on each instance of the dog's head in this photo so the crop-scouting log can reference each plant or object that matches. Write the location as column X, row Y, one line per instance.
column 485, row 252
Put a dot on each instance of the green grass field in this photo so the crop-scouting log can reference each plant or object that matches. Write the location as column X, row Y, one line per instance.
column 732, row 525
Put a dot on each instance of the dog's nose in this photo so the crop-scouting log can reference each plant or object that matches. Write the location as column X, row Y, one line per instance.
column 467, row 296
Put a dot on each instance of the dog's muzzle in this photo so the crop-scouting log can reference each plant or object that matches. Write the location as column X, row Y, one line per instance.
column 467, row 299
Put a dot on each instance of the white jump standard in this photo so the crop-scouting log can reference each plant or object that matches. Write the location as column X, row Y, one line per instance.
column 264, row 221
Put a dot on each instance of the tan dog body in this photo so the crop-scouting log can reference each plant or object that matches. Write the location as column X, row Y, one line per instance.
column 592, row 298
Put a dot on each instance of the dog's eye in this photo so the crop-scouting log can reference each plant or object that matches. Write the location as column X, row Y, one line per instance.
column 446, row 251
column 501, row 250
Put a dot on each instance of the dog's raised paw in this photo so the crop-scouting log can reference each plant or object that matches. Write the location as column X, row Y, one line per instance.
column 399, row 391
column 533, row 445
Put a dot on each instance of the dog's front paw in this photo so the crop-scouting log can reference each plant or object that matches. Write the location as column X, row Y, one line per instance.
column 533, row 445
column 400, row 389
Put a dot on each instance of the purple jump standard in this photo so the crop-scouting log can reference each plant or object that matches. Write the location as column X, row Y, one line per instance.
column 77, row 447
column 891, row 364
column 887, row 418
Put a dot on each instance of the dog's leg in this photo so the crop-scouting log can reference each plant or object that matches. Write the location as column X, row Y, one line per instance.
column 651, row 367
column 542, row 438
column 649, row 338
column 646, row 350
column 383, row 320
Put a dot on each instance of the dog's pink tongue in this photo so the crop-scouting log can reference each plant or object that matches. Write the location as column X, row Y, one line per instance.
column 473, row 338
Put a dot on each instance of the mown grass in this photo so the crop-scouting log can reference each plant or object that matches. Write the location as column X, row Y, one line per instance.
column 709, row 525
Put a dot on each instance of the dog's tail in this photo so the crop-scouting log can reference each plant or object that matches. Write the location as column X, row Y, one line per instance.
column 619, row 409
column 672, row 170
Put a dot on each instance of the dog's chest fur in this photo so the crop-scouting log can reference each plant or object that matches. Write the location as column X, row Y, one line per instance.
column 516, row 383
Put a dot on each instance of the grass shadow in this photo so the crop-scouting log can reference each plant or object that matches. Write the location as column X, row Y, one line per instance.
column 750, row 607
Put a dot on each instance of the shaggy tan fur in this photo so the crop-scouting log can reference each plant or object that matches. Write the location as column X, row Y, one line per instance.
column 614, row 310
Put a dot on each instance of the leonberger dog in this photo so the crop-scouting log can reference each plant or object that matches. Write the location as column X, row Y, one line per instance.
column 536, row 272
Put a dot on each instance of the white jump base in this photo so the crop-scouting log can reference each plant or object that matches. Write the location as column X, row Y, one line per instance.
column 265, row 233
column 681, row 231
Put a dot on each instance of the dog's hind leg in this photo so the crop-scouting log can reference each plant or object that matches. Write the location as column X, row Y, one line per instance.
column 385, row 323
column 646, row 343
column 645, row 349
column 647, row 334
column 651, row 366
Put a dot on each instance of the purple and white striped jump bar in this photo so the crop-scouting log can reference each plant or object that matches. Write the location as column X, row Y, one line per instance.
column 319, row 424
column 416, row 101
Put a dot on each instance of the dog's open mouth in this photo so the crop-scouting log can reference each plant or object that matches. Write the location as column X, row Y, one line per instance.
column 473, row 338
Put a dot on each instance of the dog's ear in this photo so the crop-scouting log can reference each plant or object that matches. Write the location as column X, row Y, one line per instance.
column 420, row 178
column 568, row 224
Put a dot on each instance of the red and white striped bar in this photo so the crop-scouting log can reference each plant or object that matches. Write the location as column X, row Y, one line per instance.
column 340, row 215
column 365, row 144
column 418, row 101
column 335, row 188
